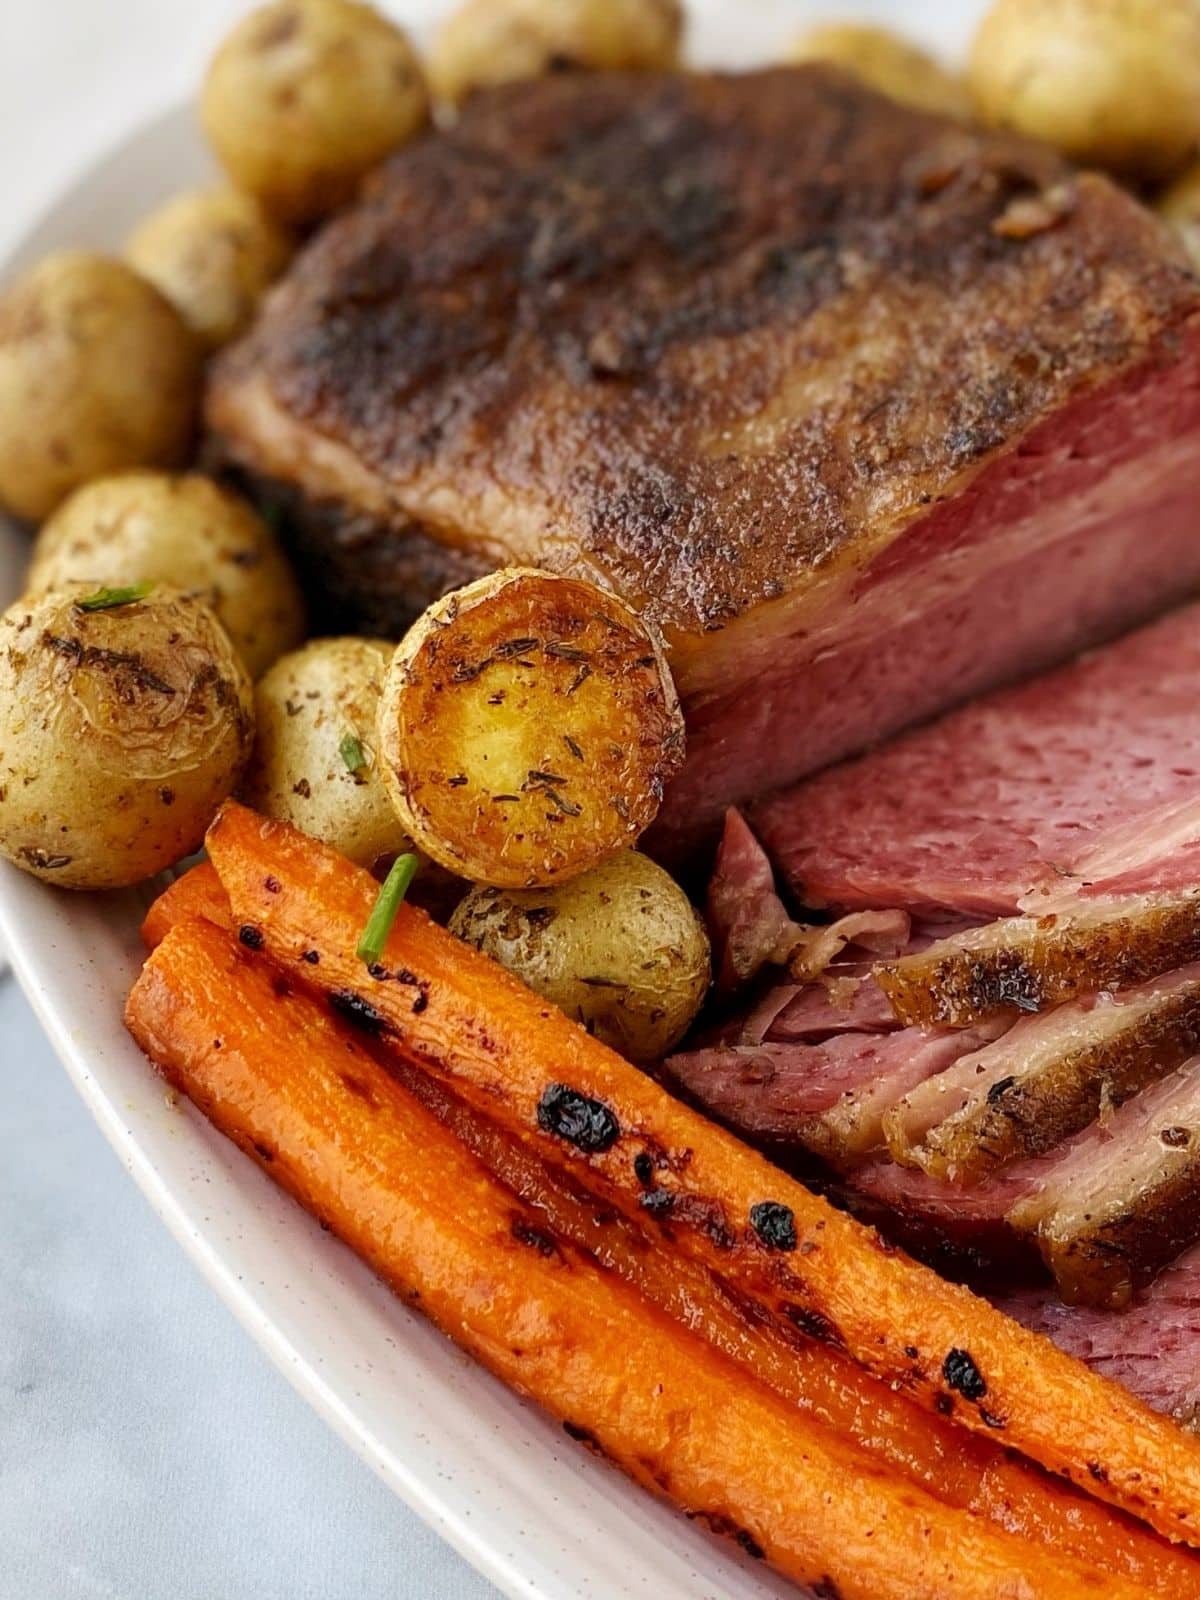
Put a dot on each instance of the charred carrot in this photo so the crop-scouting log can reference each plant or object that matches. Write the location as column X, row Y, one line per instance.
column 961, row 1470
column 195, row 893
column 295, row 1090
column 807, row 1266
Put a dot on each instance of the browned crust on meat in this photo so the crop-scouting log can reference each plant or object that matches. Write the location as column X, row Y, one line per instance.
column 1025, row 964
column 1100, row 1258
column 1026, row 1116
column 701, row 337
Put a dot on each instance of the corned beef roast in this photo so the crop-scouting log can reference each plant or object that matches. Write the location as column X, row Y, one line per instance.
column 868, row 410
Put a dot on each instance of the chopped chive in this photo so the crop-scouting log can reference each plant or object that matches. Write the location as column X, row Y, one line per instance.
column 108, row 599
column 387, row 903
column 352, row 753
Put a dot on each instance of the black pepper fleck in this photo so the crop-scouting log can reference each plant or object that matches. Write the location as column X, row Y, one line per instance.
column 251, row 936
column 355, row 1009
column 962, row 1375
column 774, row 1224
column 587, row 1124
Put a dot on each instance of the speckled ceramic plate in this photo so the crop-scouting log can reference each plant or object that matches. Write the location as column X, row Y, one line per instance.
column 532, row 1511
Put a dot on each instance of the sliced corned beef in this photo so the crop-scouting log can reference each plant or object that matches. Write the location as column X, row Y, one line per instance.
column 1046, row 1078
column 1123, row 1200
column 1086, row 779
column 1030, row 963
column 1152, row 1347
column 828, row 1098
column 751, row 928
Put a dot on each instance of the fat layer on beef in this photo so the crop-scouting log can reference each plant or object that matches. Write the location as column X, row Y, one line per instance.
column 1030, row 963
column 1124, row 1199
column 1046, row 1078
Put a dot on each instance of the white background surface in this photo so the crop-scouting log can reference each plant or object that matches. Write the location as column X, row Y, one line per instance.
column 147, row 1450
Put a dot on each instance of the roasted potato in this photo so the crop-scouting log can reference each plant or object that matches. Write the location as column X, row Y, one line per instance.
column 180, row 529
column 486, row 42
column 619, row 948
column 315, row 760
column 306, row 96
column 527, row 727
column 98, row 372
column 888, row 63
column 213, row 253
column 1111, row 83
column 125, row 721
column 1179, row 207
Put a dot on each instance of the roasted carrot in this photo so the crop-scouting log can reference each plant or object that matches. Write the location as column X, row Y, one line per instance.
column 960, row 1469
column 195, row 893
column 296, row 1091
column 532, row 1070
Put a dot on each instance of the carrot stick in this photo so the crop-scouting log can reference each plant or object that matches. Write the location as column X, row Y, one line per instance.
column 290, row 1085
column 196, row 893
column 535, row 1072
column 969, row 1472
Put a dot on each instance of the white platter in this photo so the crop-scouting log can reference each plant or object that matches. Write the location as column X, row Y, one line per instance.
column 532, row 1511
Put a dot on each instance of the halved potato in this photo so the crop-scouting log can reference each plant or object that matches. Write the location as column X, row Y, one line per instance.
column 528, row 726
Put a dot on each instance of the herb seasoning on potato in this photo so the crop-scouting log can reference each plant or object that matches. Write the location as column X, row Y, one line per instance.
column 125, row 721
column 528, row 727
column 184, row 530
column 315, row 762
column 618, row 948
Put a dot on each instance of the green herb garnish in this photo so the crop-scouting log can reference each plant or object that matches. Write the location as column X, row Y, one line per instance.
column 387, row 903
column 108, row 599
column 352, row 753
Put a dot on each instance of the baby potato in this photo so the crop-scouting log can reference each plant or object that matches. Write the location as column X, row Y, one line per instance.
column 1179, row 207
column 315, row 762
column 528, row 726
column 213, row 253
column 888, row 63
column 487, row 42
column 184, row 530
column 123, row 726
column 1111, row 83
column 619, row 948
column 98, row 372
column 305, row 96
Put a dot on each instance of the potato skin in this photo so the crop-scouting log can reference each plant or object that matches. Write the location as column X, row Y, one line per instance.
column 304, row 707
column 1179, row 207
column 213, row 253
column 1110, row 83
column 528, row 727
column 98, row 372
column 305, row 96
column 486, row 42
column 619, row 948
column 121, row 732
column 888, row 63
column 184, row 530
